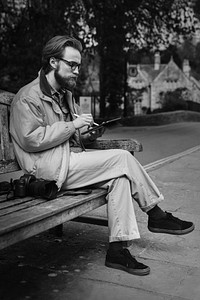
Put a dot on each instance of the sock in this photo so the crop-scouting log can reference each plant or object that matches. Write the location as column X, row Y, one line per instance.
column 115, row 246
column 156, row 213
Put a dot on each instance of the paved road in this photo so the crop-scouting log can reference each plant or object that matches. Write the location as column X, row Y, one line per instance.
column 159, row 141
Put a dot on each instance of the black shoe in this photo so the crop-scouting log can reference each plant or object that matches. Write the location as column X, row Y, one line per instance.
column 123, row 260
column 170, row 225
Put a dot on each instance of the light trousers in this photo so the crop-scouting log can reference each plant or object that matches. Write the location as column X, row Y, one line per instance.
column 124, row 178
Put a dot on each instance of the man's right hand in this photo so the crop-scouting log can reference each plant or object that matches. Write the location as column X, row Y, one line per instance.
column 83, row 120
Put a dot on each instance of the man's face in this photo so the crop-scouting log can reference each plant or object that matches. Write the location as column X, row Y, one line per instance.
column 67, row 70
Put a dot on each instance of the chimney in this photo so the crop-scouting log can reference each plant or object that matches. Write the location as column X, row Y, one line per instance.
column 157, row 61
column 186, row 67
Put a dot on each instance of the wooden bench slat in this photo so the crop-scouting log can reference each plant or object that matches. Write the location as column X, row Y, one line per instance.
column 38, row 219
column 6, row 97
column 19, row 206
column 46, row 209
column 9, row 166
column 130, row 145
column 8, row 202
column 97, row 220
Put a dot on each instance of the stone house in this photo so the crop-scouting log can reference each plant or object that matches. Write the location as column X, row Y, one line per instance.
column 146, row 83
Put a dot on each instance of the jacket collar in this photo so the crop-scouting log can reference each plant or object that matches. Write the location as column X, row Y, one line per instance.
column 44, row 85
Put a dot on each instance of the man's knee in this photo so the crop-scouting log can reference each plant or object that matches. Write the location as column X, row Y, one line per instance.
column 122, row 152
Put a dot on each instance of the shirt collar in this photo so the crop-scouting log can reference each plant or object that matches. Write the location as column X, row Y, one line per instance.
column 54, row 92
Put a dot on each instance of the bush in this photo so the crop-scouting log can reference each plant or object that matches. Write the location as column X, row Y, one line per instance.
column 174, row 100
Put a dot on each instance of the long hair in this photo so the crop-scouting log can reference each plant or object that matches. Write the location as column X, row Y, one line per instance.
column 55, row 47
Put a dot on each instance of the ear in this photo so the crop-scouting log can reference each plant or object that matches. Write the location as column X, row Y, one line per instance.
column 53, row 62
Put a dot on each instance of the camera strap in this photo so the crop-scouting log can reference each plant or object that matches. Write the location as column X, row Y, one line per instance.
column 74, row 192
column 6, row 189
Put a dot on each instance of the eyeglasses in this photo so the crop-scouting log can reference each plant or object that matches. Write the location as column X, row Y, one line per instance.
column 72, row 64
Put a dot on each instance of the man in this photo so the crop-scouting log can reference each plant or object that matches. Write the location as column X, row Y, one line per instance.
column 46, row 126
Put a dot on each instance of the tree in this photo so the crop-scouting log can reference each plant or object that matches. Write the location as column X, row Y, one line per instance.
column 25, row 30
column 175, row 100
column 111, row 27
column 120, row 25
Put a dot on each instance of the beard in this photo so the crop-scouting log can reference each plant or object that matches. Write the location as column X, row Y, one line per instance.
column 68, row 83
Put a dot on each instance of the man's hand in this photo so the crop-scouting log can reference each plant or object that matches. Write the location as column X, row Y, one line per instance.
column 96, row 133
column 83, row 120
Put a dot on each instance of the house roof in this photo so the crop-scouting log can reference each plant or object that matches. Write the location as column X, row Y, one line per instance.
column 195, row 75
column 147, row 72
column 150, row 72
column 141, row 75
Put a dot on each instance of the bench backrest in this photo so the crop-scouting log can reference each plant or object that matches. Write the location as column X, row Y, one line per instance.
column 8, row 162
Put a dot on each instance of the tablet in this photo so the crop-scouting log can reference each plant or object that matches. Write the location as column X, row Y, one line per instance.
column 103, row 124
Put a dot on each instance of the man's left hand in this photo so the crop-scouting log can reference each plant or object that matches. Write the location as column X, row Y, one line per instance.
column 97, row 133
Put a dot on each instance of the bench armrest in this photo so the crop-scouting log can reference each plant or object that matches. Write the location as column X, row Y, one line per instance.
column 130, row 145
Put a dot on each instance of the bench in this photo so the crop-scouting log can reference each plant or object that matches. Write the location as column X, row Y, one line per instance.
column 25, row 217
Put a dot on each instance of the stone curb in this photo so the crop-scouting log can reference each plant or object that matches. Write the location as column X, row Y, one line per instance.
column 159, row 163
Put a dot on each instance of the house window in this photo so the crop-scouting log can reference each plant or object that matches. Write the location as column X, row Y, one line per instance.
column 133, row 71
column 138, row 107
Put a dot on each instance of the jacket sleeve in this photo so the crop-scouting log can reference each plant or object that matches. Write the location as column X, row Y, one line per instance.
column 30, row 130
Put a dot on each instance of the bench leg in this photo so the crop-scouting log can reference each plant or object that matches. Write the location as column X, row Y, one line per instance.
column 92, row 220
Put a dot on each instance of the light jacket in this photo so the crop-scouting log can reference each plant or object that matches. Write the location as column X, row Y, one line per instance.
column 39, row 133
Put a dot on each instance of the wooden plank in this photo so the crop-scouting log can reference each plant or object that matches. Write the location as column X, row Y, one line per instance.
column 7, row 158
column 47, row 209
column 19, row 207
column 5, row 142
column 130, row 145
column 9, row 166
column 57, row 217
column 102, row 221
column 6, row 97
column 4, row 202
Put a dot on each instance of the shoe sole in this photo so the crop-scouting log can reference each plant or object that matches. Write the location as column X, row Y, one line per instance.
column 170, row 231
column 140, row 272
